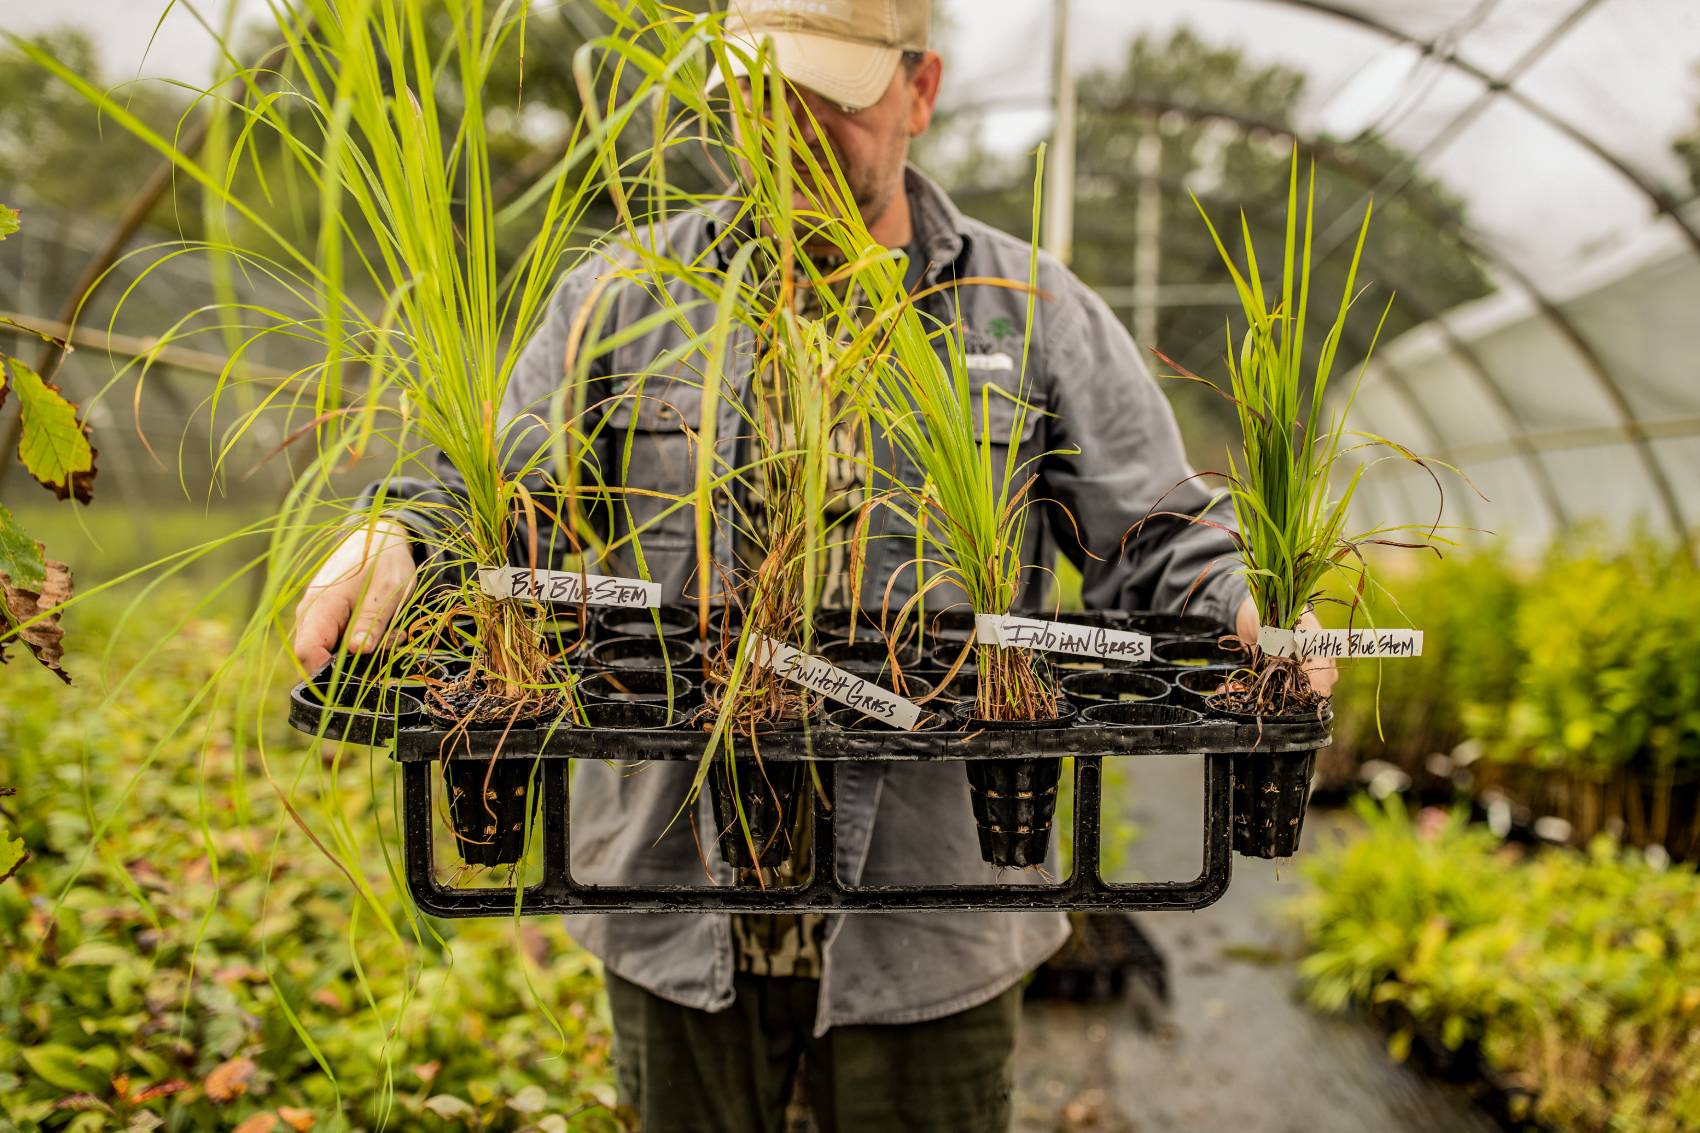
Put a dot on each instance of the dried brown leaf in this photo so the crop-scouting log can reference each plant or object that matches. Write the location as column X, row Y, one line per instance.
column 229, row 1079
column 19, row 605
column 162, row 1090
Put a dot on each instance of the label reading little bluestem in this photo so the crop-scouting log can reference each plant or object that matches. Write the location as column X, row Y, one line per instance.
column 568, row 586
column 1342, row 644
column 836, row 684
column 1060, row 637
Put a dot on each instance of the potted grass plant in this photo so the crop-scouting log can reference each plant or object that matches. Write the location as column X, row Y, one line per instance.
column 773, row 348
column 1293, row 471
column 970, row 510
column 409, row 315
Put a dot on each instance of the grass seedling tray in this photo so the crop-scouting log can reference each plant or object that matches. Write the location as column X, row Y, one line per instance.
column 1231, row 751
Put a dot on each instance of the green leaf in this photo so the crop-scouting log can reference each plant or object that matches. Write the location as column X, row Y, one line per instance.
column 61, row 1066
column 20, row 556
column 12, row 854
column 8, row 221
column 448, row 1107
column 96, row 953
column 532, row 1099
column 55, row 445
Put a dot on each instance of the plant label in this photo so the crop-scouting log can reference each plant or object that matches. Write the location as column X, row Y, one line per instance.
column 568, row 586
column 1060, row 637
column 1342, row 644
column 835, row 684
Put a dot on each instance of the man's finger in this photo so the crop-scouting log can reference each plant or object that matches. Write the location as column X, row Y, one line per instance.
column 318, row 623
column 384, row 593
column 1322, row 675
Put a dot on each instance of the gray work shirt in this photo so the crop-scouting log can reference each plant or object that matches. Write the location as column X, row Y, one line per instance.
column 1107, row 452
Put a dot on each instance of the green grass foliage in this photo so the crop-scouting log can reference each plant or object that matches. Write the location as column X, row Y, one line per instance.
column 1575, row 976
column 176, row 930
column 1586, row 662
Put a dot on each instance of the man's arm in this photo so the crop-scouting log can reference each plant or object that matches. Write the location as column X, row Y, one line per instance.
column 365, row 579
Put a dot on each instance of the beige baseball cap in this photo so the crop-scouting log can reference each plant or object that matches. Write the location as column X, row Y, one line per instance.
column 844, row 49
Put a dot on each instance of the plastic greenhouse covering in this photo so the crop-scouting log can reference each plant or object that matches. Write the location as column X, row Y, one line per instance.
column 1571, row 392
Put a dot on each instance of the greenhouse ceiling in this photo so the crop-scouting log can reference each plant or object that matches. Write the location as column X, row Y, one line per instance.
column 1571, row 392
column 1568, row 129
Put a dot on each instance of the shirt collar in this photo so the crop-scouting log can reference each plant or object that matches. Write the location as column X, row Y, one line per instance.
column 938, row 226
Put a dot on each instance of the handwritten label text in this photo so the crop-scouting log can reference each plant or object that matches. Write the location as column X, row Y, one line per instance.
column 1060, row 637
column 836, row 684
column 1342, row 644
column 568, row 586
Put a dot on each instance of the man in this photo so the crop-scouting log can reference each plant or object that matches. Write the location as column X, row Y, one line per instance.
column 894, row 1020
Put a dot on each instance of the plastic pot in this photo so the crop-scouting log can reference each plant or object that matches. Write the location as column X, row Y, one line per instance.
column 642, row 653
column 954, row 626
column 626, row 715
column 488, row 801
column 725, row 624
column 620, row 621
column 963, row 687
column 1271, row 792
column 1014, row 800
column 1169, row 627
column 355, row 699
column 774, row 795
column 1198, row 653
column 1194, row 688
column 833, row 624
column 1131, row 714
column 1108, row 686
column 640, row 686
column 945, row 654
column 869, row 658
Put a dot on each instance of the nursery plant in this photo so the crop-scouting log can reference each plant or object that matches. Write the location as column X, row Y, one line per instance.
column 413, row 327
column 970, row 511
column 784, row 355
column 1565, row 979
column 54, row 448
column 373, row 112
column 1294, row 468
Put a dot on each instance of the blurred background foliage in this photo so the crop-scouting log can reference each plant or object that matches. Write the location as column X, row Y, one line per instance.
column 1183, row 114
column 1571, row 981
column 177, row 953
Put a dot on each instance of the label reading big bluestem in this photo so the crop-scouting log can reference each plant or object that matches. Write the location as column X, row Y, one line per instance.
column 569, row 586
column 836, row 684
column 1059, row 637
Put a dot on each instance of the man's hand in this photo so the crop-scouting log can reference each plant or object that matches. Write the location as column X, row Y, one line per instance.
column 360, row 586
column 1322, row 672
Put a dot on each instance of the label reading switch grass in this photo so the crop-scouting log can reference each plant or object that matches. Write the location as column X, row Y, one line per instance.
column 568, row 586
column 834, row 683
column 1342, row 644
column 1060, row 637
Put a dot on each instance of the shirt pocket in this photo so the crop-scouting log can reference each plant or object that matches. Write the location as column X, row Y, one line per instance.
column 649, row 447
